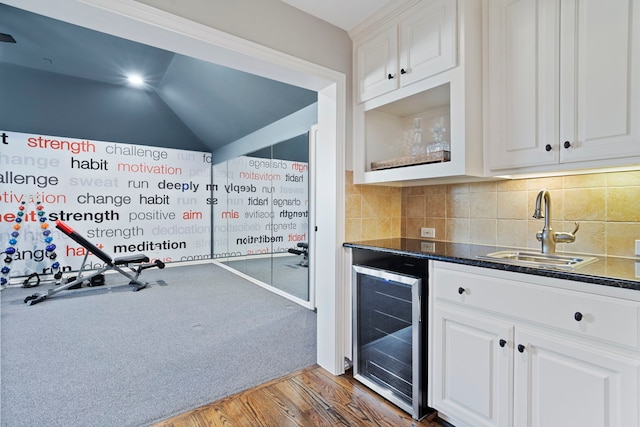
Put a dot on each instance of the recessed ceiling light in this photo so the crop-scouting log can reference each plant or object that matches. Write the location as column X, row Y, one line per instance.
column 135, row 80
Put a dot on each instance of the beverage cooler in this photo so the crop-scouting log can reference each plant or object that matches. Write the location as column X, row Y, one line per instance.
column 389, row 331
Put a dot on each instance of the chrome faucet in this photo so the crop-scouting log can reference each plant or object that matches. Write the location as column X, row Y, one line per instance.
column 547, row 236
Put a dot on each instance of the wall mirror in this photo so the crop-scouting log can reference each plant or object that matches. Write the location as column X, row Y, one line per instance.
column 261, row 215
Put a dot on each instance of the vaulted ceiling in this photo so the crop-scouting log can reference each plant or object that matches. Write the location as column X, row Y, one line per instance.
column 217, row 104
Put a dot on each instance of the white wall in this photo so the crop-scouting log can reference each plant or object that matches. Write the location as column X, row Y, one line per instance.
column 271, row 23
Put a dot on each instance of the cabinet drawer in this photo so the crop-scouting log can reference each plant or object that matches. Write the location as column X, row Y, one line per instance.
column 603, row 318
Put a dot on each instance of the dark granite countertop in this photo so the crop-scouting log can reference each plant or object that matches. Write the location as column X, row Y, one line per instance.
column 607, row 271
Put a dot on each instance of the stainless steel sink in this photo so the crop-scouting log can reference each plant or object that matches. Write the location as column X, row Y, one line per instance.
column 532, row 259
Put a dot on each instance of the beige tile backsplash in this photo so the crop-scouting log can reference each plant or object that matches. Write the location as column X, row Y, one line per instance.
column 607, row 206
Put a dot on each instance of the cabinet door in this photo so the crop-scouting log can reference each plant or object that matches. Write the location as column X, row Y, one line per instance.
column 600, row 74
column 522, row 64
column 376, row 65
column 471, row 370
column 428, row 41
column 559, row 383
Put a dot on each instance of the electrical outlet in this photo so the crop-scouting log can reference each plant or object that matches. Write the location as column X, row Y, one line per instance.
column 427, row 246
column 429, row 233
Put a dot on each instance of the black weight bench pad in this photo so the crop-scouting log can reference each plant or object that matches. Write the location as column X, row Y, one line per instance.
column 131, row 259
column 117, row 264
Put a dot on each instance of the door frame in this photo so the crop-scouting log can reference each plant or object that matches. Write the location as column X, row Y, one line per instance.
column 144, row 24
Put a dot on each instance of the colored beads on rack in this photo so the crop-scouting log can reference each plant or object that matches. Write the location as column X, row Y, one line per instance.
column 50, row 248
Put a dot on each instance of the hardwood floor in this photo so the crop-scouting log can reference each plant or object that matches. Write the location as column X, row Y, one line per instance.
column 309, row 397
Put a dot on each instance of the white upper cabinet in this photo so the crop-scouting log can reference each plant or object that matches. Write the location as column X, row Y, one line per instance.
column 416, row 44
column 428, row 41
column 377, row 65
column 522, row 99
column 563, row 80
column 418, row 69
column 599, row 78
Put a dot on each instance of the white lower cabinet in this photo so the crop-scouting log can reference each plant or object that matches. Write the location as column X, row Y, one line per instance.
column 473, row 374
column 498, row 357
column 561, row 383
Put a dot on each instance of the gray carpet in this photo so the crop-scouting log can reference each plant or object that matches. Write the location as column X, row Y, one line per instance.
column 107, row 356
column 282, row 272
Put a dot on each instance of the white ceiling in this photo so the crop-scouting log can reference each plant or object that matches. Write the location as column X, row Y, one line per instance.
column 345, row 14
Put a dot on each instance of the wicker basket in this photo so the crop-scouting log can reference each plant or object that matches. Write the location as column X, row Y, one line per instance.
column 437, row 157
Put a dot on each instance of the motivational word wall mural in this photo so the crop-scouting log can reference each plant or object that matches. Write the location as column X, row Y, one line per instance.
column 126, row 199
column 260, row 206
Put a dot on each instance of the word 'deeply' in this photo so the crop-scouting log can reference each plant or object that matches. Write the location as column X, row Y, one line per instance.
column 181, row 186
column 235, row 188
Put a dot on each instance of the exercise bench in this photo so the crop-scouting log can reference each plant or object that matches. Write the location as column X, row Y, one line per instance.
column 130, row 266
column 304, row 251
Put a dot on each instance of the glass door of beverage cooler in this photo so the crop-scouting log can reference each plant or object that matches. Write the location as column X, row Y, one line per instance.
column 389, row 336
